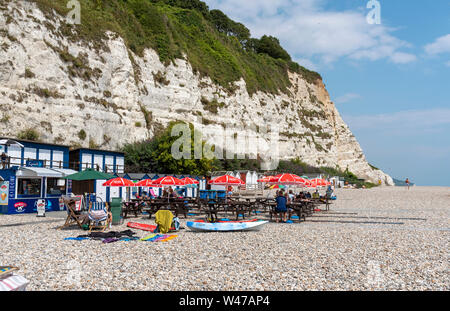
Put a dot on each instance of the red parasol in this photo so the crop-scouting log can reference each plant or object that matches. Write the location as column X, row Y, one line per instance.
column 285, row 179
column 146, row 183
column 190, row 181
column 168, row 181
column 119, row 182
column 265, row 179
column 226, row 180
column 319, row 182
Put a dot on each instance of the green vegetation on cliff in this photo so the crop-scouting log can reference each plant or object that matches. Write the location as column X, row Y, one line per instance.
column 214, row 45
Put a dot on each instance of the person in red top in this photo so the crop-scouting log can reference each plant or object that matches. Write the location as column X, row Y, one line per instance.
column 407, row 182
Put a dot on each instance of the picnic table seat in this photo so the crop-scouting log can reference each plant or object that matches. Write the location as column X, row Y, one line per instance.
column 134, row 207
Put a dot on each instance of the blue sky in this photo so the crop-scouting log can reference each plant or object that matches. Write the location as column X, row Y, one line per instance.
column 389, row 81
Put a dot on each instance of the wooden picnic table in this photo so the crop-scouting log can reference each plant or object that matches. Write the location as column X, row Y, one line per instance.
column 325, row 201
column 177, row 205
column 133, row 206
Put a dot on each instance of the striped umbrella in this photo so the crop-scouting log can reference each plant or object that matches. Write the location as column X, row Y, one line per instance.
column 277, row 187
column 119, row 182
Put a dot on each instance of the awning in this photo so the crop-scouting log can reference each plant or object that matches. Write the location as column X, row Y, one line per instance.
column 65, row 171
column 38, row 172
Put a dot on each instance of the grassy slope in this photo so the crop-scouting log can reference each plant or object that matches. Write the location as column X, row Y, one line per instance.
column 172, row 31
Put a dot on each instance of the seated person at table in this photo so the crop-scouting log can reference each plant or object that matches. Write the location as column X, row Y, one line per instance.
column 177, row 194
column 144, row 197
column 281, row 206
column 229, row 191
column 291, row 196
column 316, row 194
column 165, row 193
column 300, row 196
column 329, row 193
column 172, row 193
column 307, row 195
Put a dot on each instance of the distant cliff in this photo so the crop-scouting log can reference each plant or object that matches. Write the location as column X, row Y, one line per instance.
column 78, row 91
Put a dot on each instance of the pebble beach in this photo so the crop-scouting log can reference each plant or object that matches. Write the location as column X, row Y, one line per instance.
column 386, row 238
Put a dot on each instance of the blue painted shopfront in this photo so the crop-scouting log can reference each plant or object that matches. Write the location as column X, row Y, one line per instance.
column 24, row 188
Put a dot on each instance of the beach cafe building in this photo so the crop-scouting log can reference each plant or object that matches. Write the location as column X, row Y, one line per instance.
column 33, row 174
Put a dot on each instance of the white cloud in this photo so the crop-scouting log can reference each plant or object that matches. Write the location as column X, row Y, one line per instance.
column 306, row 63
column 347, row 98
column 307, row 30
column 403, row 58
column 439, row 46
column 422, row 120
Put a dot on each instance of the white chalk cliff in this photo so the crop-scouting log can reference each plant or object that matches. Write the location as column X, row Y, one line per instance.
column 62, row 88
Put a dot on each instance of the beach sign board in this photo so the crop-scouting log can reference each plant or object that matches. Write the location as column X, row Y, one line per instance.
column 4, row 190
column 40, row 206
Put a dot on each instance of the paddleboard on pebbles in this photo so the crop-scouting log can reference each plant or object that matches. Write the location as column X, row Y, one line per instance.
column 226, row 226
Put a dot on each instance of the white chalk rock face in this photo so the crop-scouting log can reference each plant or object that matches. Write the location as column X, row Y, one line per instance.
column 74, row 94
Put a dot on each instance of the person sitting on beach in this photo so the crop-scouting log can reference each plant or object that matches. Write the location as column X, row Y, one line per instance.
column 281, row 206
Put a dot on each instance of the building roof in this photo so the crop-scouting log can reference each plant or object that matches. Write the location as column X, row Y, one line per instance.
column 136, row 176
column 34, row 142
column 99, row 150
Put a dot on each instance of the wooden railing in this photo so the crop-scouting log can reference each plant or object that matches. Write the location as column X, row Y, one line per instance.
column 9, row 162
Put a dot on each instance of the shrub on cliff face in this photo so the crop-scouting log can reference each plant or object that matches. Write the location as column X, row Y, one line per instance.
column 29, row 74
column 155, row 155
column 212, row 106
column 82, row 134
column 29, row 134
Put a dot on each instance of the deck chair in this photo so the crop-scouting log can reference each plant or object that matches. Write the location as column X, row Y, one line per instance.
column 153, row 194
column 74, row 215
column 99, row 216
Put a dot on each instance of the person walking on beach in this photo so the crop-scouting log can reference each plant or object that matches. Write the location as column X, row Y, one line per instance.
column 407, row 183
